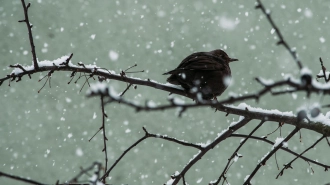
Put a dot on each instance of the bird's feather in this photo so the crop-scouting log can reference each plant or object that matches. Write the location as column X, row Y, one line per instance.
column 199, row 61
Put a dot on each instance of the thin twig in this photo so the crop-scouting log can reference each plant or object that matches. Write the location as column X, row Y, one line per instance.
column 235, row 153
column 282, row 148
column 128, row 86
column 279, row 34
column 106, row 174
column 85, row 171
column 29, row 27
column 104, row 138
column 323, row 70
column 205, row 149
column 288, row 165
column 271, row 153
column 21, row 179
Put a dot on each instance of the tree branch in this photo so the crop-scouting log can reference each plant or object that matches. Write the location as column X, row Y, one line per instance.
column 29, row 27
column 279, row 34
column 269, row 154
column 225, row 134
column 17, row 178
column 235, row 154
column 282, row 148
column 288, row 165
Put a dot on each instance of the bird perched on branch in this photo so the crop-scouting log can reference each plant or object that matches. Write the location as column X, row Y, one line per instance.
column 205, row 72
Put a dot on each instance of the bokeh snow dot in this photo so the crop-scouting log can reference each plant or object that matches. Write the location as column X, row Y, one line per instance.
column 113, row 55
column 226, row 23
column 79, row 152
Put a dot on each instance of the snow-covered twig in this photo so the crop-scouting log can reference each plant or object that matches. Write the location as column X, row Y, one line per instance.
column 288, row 165
column 269, row 154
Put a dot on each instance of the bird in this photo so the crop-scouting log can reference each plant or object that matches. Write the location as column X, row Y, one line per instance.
column 207, row 73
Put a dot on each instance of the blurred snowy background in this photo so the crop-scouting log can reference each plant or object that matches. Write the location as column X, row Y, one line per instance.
column 45, row 136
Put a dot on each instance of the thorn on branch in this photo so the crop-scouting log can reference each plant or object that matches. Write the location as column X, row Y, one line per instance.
column 258, row 6
column 280, row 42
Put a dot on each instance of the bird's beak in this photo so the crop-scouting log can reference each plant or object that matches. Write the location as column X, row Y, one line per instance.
column 233, row 59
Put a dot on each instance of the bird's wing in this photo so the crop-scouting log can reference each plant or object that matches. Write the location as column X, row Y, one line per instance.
column 202, row 61
column 199, row 61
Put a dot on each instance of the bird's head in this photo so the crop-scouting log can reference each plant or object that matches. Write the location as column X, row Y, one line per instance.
column 223, row 55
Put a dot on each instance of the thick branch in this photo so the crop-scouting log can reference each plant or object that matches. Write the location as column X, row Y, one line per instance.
column 246, row 111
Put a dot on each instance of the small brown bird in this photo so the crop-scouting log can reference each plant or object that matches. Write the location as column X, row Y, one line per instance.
column 205, row 72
